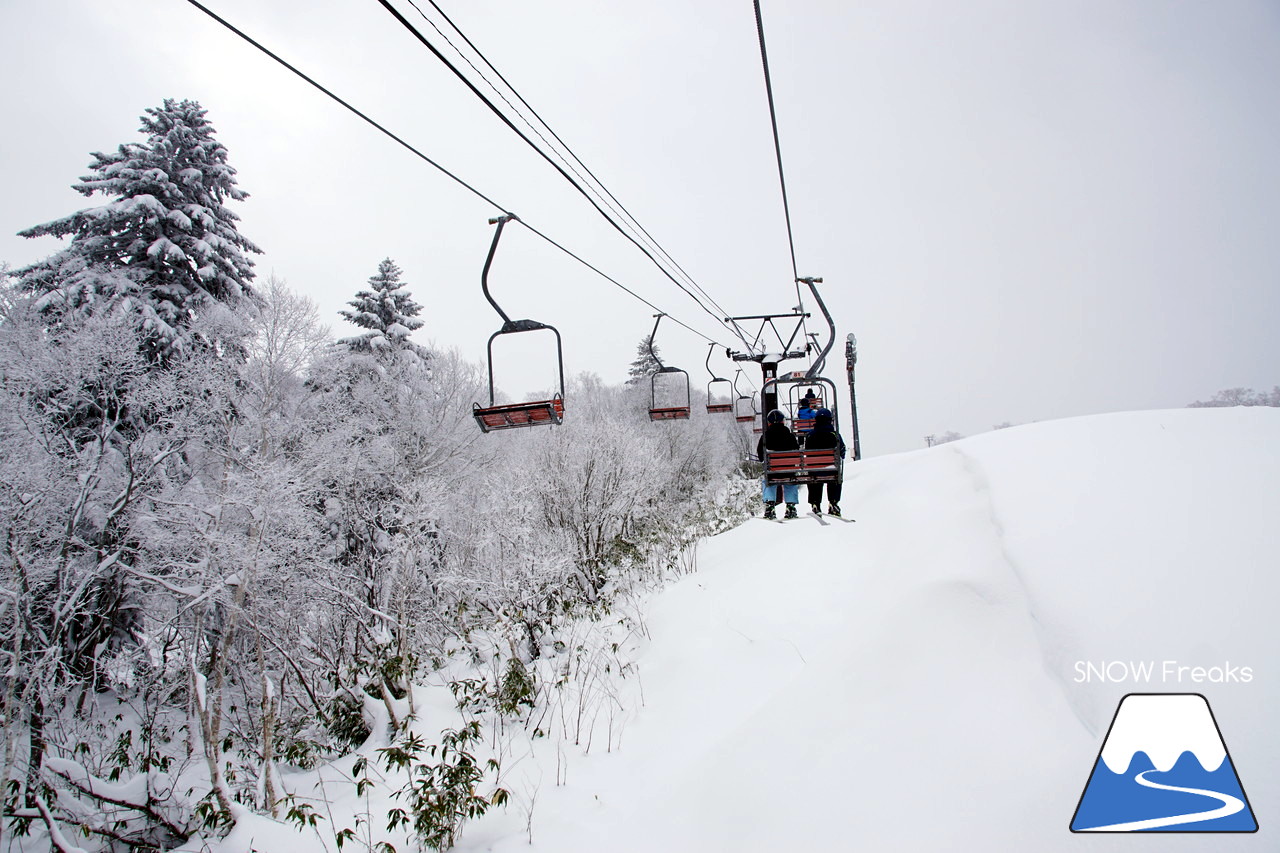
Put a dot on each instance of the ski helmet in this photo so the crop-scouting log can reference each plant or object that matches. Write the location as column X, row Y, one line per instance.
column 823, row 413
column 776, row 417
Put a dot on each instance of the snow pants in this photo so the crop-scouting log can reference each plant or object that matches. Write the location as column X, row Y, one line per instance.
column 833, row 492
column 791, row 493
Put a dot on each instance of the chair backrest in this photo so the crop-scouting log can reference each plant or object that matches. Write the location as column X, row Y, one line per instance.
column 802, row 466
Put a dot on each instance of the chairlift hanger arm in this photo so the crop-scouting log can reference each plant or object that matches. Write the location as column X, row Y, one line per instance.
column 821, row 360
column 710, row 349
column 662, row 368
column 501, row 222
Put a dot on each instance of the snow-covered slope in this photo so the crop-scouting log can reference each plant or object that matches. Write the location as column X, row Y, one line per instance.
column 908, row 682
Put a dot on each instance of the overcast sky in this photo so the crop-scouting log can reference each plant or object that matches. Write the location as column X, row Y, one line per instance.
column 1024, row 210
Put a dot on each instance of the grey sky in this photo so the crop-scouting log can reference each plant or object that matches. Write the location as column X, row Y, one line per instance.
column 1024, row 210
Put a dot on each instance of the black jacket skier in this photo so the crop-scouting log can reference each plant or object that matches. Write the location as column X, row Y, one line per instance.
column 776, row 437
column 824, row 437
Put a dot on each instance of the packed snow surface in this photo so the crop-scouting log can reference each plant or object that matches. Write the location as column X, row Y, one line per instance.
column 909, row 681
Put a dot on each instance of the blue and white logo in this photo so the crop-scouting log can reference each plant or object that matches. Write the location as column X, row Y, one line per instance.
column 1164, row 768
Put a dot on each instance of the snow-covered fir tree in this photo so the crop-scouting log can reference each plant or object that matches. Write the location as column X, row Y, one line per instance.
column 646, row 362
column 164, row 246
column 387, row 310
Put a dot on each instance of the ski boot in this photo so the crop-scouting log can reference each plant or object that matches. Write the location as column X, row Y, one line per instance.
column 816, row 509
column 768, row 511
column 834, row 509
column 791, row 512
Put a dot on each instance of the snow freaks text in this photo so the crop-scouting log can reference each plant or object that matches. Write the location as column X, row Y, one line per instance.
column 1165, row 672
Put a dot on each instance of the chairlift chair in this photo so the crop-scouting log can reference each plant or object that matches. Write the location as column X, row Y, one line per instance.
column 533, row 412
column 666, row 413
column 714, row 408
column 785, row 467
column 744, row 406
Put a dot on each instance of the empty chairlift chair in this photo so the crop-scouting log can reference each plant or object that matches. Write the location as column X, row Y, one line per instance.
column 672, row 387
column 744, row 407
column 529, row 413
column 714, row 408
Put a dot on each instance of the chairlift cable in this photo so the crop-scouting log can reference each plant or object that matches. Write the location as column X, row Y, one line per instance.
column 613, row 202
column 619, row 284
column 777, row 149
column 317, row 85
column 516, row 110
column 777, row 145
column 386, row 4
column 782, row 181
column 370, row 121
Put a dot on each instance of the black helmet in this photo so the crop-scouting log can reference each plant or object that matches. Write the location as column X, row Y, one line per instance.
column 776, row 417
column 823, row 413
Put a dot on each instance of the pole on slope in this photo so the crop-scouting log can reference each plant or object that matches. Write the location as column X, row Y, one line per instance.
column 850, row 360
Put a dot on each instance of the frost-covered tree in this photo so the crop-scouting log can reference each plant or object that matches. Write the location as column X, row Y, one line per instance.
column 285, row 338
column 254, row 575
column 389, row 442
column 387, row 310
column 1239, row 397
column 163, row 246
column 945, row 438
column 70, row 507
column 646, row 361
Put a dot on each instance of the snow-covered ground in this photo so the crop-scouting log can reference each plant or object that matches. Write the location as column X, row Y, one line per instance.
column 908, row 682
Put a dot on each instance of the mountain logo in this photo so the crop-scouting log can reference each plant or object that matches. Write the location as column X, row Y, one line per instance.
column 1163, row 767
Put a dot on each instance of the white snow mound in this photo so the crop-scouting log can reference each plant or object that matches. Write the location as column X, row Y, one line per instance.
column 908, row 682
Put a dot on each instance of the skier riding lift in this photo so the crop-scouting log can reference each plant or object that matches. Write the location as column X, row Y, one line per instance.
column 778, row 437
column 824, row 437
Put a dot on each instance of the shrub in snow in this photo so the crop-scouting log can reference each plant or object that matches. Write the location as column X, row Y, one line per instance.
column 440, row 797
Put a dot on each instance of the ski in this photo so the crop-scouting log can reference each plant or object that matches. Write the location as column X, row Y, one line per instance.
column 818, row 518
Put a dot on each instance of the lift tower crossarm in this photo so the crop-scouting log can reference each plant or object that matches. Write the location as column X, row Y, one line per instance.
column 767, row 320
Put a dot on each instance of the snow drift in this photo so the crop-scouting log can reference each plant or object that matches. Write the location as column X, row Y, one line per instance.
column 908, row 681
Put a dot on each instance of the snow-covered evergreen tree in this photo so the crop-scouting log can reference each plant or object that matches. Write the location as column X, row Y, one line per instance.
column 646, row 362
column 164, row 246
column 387, row 310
